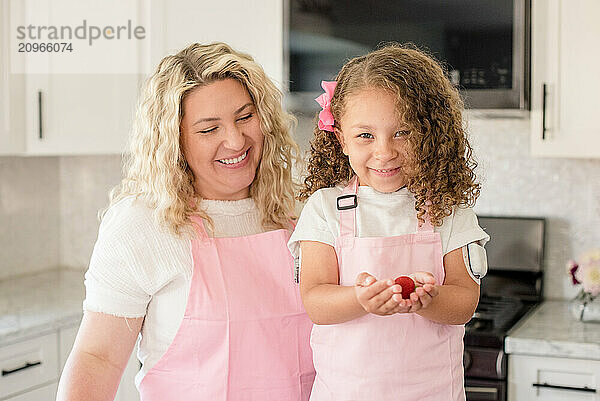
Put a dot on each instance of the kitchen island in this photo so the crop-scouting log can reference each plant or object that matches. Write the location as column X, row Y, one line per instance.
column 553, row 356
column 40, row 303
column 39, row 318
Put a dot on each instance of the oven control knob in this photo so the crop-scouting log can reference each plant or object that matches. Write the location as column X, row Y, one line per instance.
column 467, row 360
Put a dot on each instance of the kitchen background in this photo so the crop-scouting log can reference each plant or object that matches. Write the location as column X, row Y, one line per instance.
column 49, row 205
column 538, row 152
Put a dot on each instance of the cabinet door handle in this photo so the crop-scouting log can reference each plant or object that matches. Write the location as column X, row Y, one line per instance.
column 26, row 366
column 40, row 132
column 481, row 390
column 544, row 95
column 546, row 385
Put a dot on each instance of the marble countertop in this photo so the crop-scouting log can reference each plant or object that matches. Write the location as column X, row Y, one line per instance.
column 552, row 331
column 39, row 303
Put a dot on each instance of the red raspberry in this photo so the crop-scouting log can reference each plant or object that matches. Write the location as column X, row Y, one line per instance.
column 408, row 285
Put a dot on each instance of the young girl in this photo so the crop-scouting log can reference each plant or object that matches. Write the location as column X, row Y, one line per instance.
column 391, row 183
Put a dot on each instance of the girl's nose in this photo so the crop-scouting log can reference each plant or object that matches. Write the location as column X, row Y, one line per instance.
column 384, row 151
column 234, row 138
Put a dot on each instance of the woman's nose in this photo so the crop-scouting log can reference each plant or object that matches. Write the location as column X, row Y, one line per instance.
column 234, row 138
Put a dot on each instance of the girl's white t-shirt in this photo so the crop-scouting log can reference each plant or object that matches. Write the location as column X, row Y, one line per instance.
column 380, row 215
column 139, row 269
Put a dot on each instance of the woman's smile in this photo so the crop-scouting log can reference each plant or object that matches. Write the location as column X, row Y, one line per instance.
column 235, row 161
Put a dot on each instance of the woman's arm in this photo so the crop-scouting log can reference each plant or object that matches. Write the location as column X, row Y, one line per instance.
column 457, row 298
column 101, row 351
column 327, row 302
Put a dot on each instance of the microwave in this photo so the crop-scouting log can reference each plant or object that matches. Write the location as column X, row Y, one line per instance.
column 484, row 45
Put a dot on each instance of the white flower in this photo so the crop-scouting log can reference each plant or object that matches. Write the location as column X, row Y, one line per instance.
column 589, row 272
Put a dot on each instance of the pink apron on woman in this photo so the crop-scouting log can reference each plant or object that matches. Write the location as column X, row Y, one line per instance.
column 387, row 358
column 244, row 334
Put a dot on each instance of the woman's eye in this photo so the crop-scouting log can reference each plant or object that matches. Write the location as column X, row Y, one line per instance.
column 366, row 135
column 207, row 131
column 246, row 117
column 402, row 133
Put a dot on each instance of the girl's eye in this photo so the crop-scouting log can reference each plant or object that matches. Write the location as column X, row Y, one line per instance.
column 402, row 133
column 246, row 117
column 366, row 135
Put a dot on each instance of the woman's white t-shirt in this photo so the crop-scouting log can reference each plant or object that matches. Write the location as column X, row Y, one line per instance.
column 380, row 215
column 139, row 269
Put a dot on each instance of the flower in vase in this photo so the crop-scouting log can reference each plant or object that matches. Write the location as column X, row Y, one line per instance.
column 587, row 273
column 572, row 268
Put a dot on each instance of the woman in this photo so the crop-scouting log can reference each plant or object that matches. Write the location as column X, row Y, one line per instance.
column 191, row 253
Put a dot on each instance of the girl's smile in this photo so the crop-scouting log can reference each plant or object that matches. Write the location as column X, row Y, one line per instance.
column 374, row 138
column 387, row 172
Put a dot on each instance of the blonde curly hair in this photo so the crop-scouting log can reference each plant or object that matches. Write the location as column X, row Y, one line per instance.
column 156, row 171
column 440, row 166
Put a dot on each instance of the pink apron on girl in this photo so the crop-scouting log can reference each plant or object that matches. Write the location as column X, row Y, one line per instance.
column 387, row 358
column 244, row 334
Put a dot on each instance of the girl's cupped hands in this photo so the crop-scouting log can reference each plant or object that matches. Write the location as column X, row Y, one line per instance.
column 383, row 297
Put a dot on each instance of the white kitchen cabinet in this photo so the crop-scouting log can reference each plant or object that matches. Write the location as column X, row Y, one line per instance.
column 552, row 379
column 28, row 364
column 12, row 103
column 254, row 27
column 31, row 368
column 44, row 393
column 79, row 114
column 66, row 339
column 127, row 390
column 564, row 78
column 65, row 113
column 75, row 114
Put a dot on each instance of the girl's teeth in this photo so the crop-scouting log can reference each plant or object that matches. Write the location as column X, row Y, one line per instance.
column 236, row 160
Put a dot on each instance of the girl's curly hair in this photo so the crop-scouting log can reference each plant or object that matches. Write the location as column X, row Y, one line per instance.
column 440, row 166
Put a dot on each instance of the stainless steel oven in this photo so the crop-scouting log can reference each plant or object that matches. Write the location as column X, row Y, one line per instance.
column 483, row 43
column 510, row 291
column 485, row 390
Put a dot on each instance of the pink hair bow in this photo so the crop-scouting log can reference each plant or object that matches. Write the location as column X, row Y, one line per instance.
column 326, row 120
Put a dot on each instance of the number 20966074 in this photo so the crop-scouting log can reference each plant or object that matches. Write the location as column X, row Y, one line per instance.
column 26, row 47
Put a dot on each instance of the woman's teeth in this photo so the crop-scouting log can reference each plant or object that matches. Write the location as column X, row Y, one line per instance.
column 234, row 161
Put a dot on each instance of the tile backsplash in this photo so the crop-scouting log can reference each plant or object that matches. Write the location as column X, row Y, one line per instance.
column 48, row 206
column 29, row 215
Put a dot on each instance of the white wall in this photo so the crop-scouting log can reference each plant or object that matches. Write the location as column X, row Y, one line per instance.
column 43, row 199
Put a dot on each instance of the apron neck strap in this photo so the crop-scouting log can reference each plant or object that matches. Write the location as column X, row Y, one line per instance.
column 346, row 204
column 200, row 229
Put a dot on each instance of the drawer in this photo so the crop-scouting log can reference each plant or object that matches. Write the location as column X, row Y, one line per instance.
column 28, row 364
column 44, row 393
column 553, row 379
column 67, row 339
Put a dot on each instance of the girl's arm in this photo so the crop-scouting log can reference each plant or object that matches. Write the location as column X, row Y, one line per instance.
column 101, row 351
column 327, row 302
column 456, row 299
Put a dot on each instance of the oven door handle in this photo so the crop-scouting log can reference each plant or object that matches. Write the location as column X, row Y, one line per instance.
column 554, row 386
column 490, row 390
